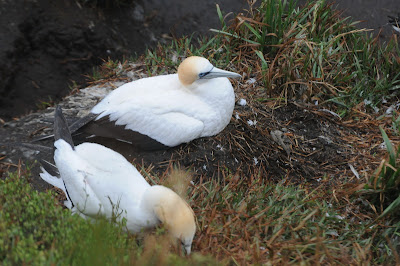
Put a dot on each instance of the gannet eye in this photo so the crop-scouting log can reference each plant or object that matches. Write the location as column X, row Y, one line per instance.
column 202, row 75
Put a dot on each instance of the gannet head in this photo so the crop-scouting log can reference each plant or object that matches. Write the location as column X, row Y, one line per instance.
column 195, row 67
column 176, row 214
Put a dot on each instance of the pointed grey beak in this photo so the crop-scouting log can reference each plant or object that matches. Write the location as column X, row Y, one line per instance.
column 219, row 73
column 187, row 248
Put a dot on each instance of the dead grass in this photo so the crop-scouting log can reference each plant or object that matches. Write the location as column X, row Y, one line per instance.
column 251, row 220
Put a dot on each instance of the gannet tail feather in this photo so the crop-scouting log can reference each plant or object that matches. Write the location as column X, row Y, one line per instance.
column 50, row 173
column 49, row 167
column 78, row 124
column 61, row 129
column 74, row 128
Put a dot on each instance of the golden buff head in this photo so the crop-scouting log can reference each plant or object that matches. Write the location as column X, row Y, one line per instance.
column 195, row 67
column 177, row 216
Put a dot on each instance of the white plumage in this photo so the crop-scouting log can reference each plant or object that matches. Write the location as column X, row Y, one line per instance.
column 196, row 102
column 98, row 180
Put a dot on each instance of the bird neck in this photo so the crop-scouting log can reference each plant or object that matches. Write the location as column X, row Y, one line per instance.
column 170, row 209
column 157, row 201
column 216, row 92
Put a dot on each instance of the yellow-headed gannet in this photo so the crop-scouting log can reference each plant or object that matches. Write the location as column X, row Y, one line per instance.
column 167, row 110
column 97, row 180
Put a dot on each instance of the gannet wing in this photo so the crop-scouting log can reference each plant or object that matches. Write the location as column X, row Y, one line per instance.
column 49, row 168
column 73, row 128
column 151, row 132
column 98, row 180
column 82, row 122
column 104, row 127
column 74, row 172
column 115, row 181
column 169, row 119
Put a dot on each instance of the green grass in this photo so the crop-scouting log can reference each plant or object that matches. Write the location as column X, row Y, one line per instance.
column 41, row 105
column 385, row 183
column 308, row 53
column 35, row 229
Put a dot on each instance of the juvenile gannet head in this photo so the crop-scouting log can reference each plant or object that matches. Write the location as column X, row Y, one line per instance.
column 196, row 67
column 175, row 213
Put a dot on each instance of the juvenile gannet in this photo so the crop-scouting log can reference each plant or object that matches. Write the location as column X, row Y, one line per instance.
column 98, row 180
column 167, row 110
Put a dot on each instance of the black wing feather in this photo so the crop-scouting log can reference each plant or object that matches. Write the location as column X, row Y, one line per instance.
column 103, row 127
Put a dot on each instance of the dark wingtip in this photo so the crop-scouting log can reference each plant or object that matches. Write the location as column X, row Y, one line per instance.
column 61, row 130
column 49, row 167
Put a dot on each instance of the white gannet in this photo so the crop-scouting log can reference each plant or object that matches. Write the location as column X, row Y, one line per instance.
column 167, row 110
column 98, row 180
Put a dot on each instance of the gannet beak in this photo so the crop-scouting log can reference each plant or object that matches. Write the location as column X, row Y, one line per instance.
column 219, row 73
column 188, row 249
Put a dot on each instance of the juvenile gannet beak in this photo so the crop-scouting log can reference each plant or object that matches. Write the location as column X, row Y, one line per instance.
column 218, row 73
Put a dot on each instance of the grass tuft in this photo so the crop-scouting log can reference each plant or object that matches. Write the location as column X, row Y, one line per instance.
column 385, row 183
column 309, row 53
column 253, row 221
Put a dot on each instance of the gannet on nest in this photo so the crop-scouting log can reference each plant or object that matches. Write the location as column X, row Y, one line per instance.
column 97, row 180
column 165, row 111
